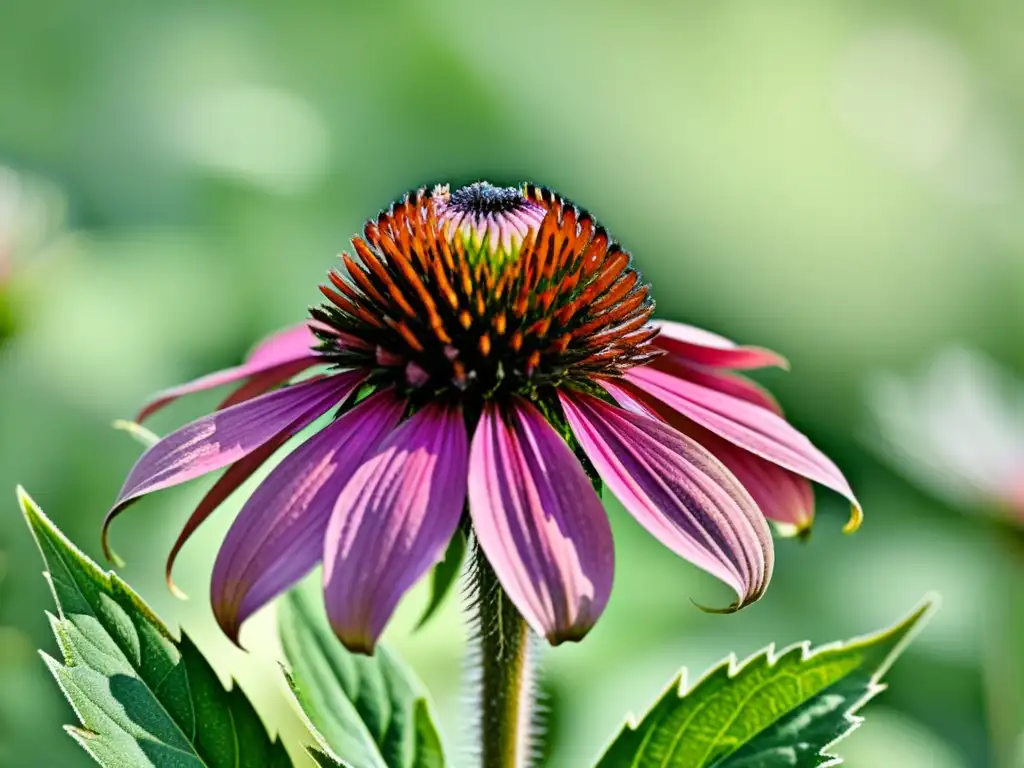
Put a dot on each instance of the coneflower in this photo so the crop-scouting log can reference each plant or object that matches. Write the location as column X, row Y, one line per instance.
column 487, row 352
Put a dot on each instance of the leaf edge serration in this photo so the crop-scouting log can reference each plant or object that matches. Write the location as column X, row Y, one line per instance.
column 40, row 526
column 910, row 626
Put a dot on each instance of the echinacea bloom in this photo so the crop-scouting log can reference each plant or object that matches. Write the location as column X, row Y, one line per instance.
column 958, row 430
column 488, row 352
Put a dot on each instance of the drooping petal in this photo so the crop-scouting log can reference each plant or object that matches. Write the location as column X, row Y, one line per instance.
column 224, row 437
column 783, row 496
column 266, row 380
column 705, row 348
column 278, row 537
column 631, row 398
column 393, row 521
column 755, row 429
column 780, row 494
column 275, row 360
column 539, row 521
column 226, row 484
column 733, row 384
column 286, row 344
column 677, row 491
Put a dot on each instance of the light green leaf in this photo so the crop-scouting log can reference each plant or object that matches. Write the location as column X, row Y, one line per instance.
column 444, row 575
column 364, row 712
column 143, row 697
column 136, row 430
column 772, row 710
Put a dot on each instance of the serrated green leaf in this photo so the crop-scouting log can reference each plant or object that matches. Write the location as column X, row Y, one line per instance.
column 772, row 710
column 444, row 575
column 143, row 697
column 367, row 712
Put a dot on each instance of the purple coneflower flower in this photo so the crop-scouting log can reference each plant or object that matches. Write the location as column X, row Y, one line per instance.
column 487, row 352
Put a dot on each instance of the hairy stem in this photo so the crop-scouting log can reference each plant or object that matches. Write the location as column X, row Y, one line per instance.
column 504, row 696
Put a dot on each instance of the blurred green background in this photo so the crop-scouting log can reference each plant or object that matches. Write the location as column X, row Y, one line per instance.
column 839, row 181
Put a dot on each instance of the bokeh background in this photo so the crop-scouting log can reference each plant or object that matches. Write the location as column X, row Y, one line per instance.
column 839, row 181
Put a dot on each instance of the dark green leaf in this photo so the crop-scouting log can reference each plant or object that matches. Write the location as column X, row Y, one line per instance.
column 325, row 760
column 143, row 697
column 772, row 710
column 445, row 574
column 428, row 751
column 367, row 712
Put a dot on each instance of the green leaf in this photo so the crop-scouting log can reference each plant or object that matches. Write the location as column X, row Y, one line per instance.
column 445, row 574
column 143, row 697
column 325, row 760
column 136, row 430
column 772, row 710
column 364, row 712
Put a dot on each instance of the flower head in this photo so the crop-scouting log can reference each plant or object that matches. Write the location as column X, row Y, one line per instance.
column 488, row 352
column 450, row 293
column 958, row 429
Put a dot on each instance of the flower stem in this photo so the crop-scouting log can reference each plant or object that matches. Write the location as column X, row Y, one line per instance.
column 505, row 695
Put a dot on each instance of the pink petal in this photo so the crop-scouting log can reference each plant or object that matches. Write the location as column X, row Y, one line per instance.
column 393, row 521
column 224, row 437
column 755, row 429
column 287, row 344
column 278, row 537
column 277, row 358
column 539, row 521
column 781, row 495
column 702, row 347
column 266, row 380
column 226, row 484
column 632, row 399
column 678, row 491
column 732, row 384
